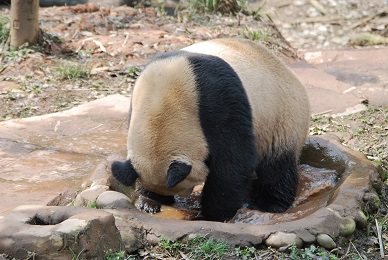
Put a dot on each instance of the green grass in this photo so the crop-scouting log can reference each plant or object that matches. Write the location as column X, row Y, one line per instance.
column 196, row 248
column 117, row 255
column 93, row 204
column 311, row 252
column 256, row 34
column 134, row 71
column 4, row 28
column 72, row 71
column 214, row 6
column 200, row 6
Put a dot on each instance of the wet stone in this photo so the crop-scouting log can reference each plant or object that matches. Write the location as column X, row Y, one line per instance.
column 326, row 241
column 113, row 200
column 89, row 196
column 281, row 239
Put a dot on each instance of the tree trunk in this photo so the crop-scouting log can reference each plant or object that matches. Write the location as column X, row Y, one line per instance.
column 24, row 22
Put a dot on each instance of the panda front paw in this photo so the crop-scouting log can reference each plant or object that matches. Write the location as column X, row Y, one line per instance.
column 147, row 205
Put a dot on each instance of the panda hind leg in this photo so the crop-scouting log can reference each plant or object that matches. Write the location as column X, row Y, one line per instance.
column 276, row 185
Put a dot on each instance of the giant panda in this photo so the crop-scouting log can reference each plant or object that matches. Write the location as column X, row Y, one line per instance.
column 224, row 112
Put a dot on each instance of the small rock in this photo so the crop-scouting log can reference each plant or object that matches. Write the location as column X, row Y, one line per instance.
column 306, row 236
column 360, row 219
column 64, row 198
column 281, row 239
column 348, row 226
column 90, row 195
column 372, row 202
column 322, row 28
column 113, row 200
column 326, row 241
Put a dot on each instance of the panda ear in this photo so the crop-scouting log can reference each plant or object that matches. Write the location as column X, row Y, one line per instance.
column 124, row 172
column 177, row 172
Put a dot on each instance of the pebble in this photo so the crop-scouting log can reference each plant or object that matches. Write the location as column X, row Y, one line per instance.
column 281, row 239
column 348, row 226
column 90, row 195
column 326, row 241
column 360, row 219
column 372, row 202
column 113, row 200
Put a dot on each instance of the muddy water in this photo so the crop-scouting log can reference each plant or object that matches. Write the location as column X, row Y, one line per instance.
column 316, row 186
column 31, row 174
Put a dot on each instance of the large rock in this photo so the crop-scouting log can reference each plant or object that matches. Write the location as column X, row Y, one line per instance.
column 58, row 233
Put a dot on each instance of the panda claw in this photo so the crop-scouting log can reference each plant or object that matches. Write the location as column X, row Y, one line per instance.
column 148, row 205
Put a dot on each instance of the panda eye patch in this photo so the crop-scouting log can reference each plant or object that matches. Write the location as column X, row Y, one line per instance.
column 177, row 172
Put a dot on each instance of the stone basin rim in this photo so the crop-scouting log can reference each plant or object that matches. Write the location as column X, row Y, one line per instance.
column 358, row 176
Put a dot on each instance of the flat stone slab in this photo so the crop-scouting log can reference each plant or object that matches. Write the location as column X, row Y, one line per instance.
column 44, row 155
column 352, row 75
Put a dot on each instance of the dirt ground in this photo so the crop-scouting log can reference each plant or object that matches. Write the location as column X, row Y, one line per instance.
column 88, row 52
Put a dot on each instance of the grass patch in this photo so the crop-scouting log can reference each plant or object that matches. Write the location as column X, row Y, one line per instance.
column 117, row 255
column 70, row 71
column 4, row 28
column 258, row 34
column 365, row 131
column 196, row 248
column 214, row 6
column 368, row 39
column 311, row 252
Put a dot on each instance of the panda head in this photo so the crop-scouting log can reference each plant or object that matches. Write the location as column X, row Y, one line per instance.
column 166, row 145
column 174, row 182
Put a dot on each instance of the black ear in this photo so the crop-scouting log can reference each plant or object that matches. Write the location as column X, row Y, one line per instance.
column 124, row 172
column 176, row 173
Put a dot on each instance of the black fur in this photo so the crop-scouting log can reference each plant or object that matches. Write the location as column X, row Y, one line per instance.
column 177, row 172
column 226, row 120
column 124, row 172
column 166, row 200
column 277, row 180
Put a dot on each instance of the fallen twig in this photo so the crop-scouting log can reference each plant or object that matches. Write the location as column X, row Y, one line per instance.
column 319, row 19
column 125, row 40
column 379, row 236
column 318, row 6
column 370, row 17
column 361, row 257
